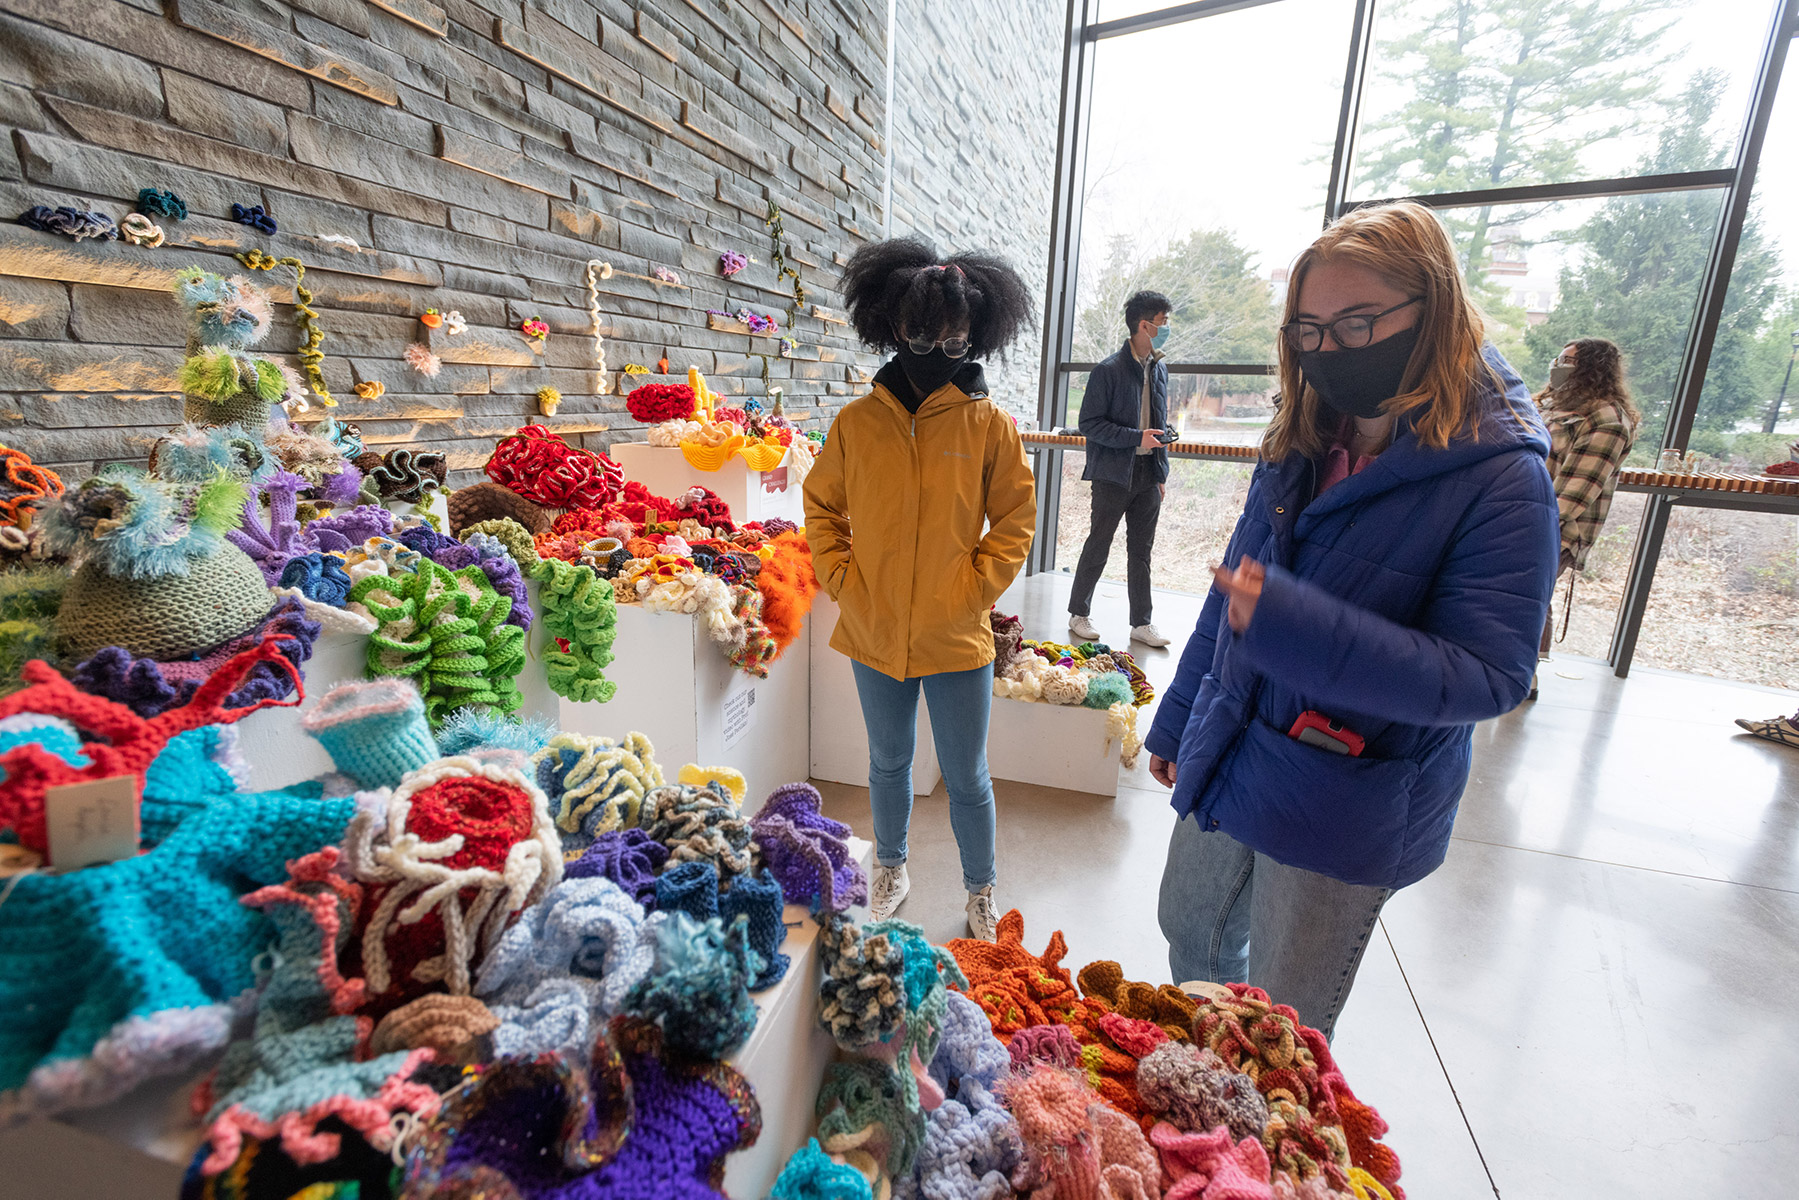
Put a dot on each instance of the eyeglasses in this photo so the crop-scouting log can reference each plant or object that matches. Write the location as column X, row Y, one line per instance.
column 955, row 347
column 1349, row 333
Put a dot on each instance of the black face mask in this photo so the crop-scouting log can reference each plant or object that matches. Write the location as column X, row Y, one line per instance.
column 1357, row 382
column 928, row 372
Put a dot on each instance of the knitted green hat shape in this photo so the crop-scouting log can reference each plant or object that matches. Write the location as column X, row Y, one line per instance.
column 224, row 384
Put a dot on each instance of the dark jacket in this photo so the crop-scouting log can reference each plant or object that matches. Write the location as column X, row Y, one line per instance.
column 1406, row 603
column 1109, row 413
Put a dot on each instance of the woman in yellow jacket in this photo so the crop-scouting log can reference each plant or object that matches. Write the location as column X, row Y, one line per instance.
column 920, row 511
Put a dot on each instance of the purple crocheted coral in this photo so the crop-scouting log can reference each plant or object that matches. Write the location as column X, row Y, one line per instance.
column 431, row 544
column 547, row 1130
column 806, row 851
column 630, row 858
column 343, row 531
column 453, row 555
column 270, row 546
column 148, row 687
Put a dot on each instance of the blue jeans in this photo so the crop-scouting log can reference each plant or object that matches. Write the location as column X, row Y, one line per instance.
column 1232, row 915
column 960, row 703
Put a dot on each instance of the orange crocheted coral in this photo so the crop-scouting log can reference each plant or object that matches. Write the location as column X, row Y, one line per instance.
column 1166, row 1006
column 788, row 584
column 1015, row 988
column 23, row 485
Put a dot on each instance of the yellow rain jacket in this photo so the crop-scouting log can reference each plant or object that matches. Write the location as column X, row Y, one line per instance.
column 917, row 524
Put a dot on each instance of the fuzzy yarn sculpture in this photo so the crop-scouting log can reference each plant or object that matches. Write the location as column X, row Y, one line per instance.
column 196, row 453
column 807, row 851
column 698, row 990
column 692, row 888
column 564, row 968
column 594, row 785
column 788, row 585
column 461, row 848
column 446, row 631
column 580, row 613
column 473, row 732
column 225, row 384
column 312, row 334
column 1189, row 1089
column 654, row 403
column 546, row 470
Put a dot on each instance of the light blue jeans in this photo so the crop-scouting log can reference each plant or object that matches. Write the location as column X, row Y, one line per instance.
column 1232, row 915
column 960, row 703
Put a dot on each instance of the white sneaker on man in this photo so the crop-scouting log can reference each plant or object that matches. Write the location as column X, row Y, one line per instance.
column 888, row 890
column 983, row 915
column 1083, row 628
column 1149, row 635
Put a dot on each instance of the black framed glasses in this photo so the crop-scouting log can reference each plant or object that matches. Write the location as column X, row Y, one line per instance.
column 1350, row 333
column 955, row 347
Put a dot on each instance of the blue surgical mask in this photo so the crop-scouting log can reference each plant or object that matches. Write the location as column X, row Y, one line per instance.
column 1161, row 335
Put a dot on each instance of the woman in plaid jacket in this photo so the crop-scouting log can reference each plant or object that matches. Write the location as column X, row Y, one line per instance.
column 1592, row 425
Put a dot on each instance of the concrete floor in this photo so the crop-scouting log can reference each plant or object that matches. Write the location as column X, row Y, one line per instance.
column 1593, row 997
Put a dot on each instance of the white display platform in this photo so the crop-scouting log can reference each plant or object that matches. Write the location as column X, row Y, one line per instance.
column 676, row 687
column 666, row 472
column 786, row 1056
column 1052, row 745
column 839, row 735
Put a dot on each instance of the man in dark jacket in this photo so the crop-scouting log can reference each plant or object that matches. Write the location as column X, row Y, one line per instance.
column 1123, row 417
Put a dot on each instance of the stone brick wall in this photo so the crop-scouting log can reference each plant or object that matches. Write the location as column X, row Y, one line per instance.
column 975, row 97
column 457, row 154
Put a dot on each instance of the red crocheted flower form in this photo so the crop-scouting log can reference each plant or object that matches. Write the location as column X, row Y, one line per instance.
column 637, row 503
column 546, row 470
column 705, row 506
column 580, row 520
column 735, row 416
column 654, row 403
column 23, row 484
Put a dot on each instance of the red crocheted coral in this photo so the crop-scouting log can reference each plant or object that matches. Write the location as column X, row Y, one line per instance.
column 702, row 505
column 788, row 584
column 654, row 403
column 23, row 484
column 590, row 521
column 122, row 743
column 546, row 470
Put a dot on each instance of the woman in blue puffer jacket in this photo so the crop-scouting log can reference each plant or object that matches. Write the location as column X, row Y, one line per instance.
column 1384, row 590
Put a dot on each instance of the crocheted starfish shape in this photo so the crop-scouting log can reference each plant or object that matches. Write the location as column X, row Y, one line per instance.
column 302, row 1062
column 447, row 631
column 122, row 743
column 1016, row 988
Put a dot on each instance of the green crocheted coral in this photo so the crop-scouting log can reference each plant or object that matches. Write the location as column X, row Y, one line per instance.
column 578, row 608
column 447, row 631
column 510, row 534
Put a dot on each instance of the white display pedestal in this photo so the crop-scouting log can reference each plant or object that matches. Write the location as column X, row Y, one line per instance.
column 786, row 1056
column 839, row 735
column 676, row 687
column 666, row 472
column 1052, row 745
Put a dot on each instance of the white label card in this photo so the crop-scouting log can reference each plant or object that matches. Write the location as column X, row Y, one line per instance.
column 94, row 822
column 740, row 716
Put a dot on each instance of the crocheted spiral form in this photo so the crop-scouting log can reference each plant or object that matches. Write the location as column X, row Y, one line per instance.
column 446, row 631
column 595, row 786
column 490, row 501
column 546, row 470
column 406, row 475
column 456, row 1029
column 698, row 824
column 580, row 611
column 121, row 971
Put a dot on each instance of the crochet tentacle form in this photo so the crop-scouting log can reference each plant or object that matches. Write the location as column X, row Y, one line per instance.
column 580, row 610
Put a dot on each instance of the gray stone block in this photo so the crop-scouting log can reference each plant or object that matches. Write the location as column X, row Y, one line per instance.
column 127, row 317
column 230, row 116
column 282, row 46
column 143, row 411
column 33, row 308
column 32, row 56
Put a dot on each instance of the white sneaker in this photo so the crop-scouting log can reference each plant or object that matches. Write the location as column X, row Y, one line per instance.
column 888, row 890
column 1149, row 635
column 1083, row 628
column 983, row 914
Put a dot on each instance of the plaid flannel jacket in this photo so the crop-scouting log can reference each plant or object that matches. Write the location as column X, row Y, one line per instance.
column 1586, row 450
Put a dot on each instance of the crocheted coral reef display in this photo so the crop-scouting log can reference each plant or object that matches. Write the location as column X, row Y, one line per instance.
column 446, row 631
column 226, row 384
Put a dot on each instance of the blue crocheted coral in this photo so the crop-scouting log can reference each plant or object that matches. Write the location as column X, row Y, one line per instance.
column 811, row 1174
column 318, row 577
column 374, row 730
column 698, row 991
column 692, row 888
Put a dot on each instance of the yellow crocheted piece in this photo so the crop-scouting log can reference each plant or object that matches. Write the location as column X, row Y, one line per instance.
column 694, row 775
column 764, row 455
column 703, row 457
column 615, row 775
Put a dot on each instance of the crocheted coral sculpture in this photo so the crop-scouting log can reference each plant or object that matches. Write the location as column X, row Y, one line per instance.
column 1076, row 1147
column 1166, row 1005
column 1015, row 988
column 121, row 742
column 24, row 486
column 564, row 968
column 630, row 858
column 117, row 973
column 405, row 476
column 472, row 732
column 546, row 470
column 594, row 784
column 489, row 501
column 862, row 999
column 446, row 631
column 971, row 1144
column 528, row 1128
column 811, row 1174
column 807, row 851
column 698, row 824
column 865, row 1118
column 581, row 614
column 510, row 535
column 148, row 686
column 692, row 888
column 375, row 731
column 1189, row 1089
column 320, row 578
column 456, row 1029
column 788, row 585
column 305, row 1059
column 459, row 850
column 698, row 989
column 224, row 383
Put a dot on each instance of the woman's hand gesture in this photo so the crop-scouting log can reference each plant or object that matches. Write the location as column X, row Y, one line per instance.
column 1242, row 588
column 1163, row 770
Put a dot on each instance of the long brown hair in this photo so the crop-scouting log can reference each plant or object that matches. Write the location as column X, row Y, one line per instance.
column 1598, row 378
column 1405, row 245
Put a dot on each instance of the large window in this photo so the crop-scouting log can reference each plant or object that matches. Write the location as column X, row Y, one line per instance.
column 1584, row 155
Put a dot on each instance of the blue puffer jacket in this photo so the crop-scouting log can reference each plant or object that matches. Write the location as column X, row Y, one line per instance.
column 1406, row 603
